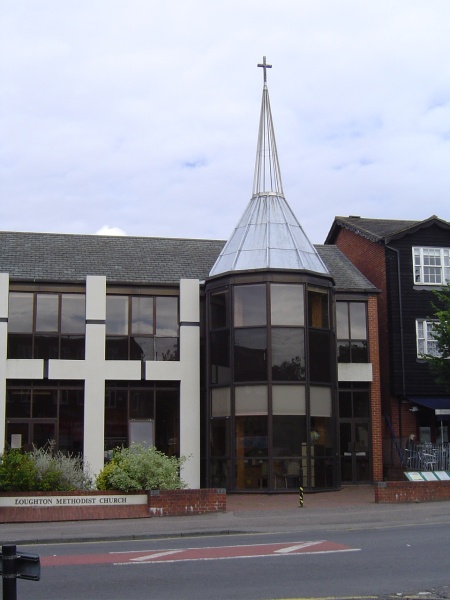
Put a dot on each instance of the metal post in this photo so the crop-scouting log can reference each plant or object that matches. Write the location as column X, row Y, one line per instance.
column 300, row 498
column 9, row 572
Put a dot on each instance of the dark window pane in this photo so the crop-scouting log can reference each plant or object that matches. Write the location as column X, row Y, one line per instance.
column 343, row 351
column 289, row 433
column 73, row 313
column 252, row 436
column 142, row 348
column 43, row 433
column 71, row 420
column 46, row 346
column 250, row 305
column 358, row 329
column 342, row 325
column 72, row 347
column 167, row 422
column 318, row 309
column 288, row 354
column 116, row 315
column 250, row 355
column 142, row 404
column 319, row 356
column 116, row 348
column 47, row 312
column 359, row 352
column 345, row 405
column 18, row 404
column 45, row 404
column 220, row 473
column 287, row 304
column 20, row 317
column 166, row 316
column 219, row 309
column 116, row 418
column 361, row 404
column 220, row 357
column 20, row 345
column 166, row 348
column 141, row 315
column 20, row 431
column 220, row 437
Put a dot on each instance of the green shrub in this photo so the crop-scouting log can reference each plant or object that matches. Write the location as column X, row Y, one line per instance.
column 17, row 472
column 141, row 468
column 42, row 470
column 58, row 472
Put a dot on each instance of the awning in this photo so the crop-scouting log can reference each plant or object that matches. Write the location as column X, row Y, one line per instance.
column 436, row 403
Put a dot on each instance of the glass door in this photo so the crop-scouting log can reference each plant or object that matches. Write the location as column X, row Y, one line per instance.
column 355, row 451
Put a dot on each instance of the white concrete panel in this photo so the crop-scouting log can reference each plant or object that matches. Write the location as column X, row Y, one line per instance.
column 24, row 368
column 4, row 294
column 190, row 404
column 95, row 297
column 123, row 370
column 66, row 369
column 94, row 423
column 162, row 370
column 355, row 372
column 189, row 300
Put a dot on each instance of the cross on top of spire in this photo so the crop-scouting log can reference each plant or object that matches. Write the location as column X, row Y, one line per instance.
column 265, row 66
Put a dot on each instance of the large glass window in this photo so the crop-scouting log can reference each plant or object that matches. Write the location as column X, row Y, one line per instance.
column 250, row 305
column 431, row 265
column 141, row 327
column 250, row 354
column 351, row 331
column 318, row 308
column 44, row 325
column 38, row 413
column 288, row 354
column 287, row 304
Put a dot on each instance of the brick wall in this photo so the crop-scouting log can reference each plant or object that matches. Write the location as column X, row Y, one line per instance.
column 411, row 491
column 174, row 503
column 159, row 503
column 375, row 391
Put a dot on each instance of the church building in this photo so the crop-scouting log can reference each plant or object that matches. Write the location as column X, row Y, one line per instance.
column 223, row 352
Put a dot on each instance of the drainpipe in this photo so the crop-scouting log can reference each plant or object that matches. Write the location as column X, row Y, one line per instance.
column 400, row 308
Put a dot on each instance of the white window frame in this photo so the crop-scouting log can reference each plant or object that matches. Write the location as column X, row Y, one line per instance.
column 426, row 344
column 431, row 266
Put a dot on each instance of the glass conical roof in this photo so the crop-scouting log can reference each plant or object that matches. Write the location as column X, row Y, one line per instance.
column 268, row 236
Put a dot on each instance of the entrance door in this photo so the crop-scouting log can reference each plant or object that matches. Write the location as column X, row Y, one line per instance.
column 355, row 451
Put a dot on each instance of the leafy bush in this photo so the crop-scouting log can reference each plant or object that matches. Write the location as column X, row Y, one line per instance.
column 141, row 468
column 42, row 470
column 58, row 472
column 17, row 472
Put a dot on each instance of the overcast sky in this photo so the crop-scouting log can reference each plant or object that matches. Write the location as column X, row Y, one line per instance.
column 143, row 115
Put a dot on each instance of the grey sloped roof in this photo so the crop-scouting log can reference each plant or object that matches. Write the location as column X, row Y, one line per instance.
column 62, row 257
column 346, row 276
column 67, row 257
column 378, row 230
column 372, row 229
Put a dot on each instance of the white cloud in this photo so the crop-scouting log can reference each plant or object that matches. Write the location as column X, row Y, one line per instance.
column 107, row 230
column 146, row 114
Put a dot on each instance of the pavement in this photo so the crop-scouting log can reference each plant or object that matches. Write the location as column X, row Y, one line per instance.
column 353, row 507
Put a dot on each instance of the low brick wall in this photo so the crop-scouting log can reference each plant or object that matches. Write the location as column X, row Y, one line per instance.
column 175, row 503
column 411, row 491
column 33, row 507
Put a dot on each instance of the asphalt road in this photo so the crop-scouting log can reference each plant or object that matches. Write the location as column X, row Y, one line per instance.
column 376, row 562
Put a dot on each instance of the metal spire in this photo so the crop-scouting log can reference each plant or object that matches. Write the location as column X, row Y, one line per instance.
column 267, row 178
column 268, row 235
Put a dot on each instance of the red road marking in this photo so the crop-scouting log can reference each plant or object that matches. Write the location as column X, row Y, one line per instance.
column 208, row 553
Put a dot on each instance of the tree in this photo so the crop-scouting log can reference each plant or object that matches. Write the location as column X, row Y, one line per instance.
column 440, row 365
